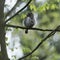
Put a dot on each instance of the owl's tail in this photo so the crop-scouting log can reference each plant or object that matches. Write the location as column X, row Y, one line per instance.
column 26, row 31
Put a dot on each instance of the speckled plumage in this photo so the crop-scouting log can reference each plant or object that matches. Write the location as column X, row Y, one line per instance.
column 29, row 21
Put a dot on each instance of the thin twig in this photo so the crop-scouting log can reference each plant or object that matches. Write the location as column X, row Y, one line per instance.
column 18, row 12
column 13, row 8
column 13, row 26
column 49, row 35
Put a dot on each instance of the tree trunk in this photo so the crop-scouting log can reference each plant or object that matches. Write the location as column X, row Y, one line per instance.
column 3, row 54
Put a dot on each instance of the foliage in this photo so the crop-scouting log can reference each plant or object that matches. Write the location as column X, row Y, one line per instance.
column 48, row 18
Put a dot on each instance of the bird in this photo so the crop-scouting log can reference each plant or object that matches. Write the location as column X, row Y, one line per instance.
column 29, row 21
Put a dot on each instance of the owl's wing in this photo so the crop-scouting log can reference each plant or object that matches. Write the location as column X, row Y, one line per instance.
column 27, row 21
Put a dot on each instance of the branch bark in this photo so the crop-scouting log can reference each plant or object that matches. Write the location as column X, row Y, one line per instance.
column 18, row 12
column 13, row 8
column 20, row 27
column 3, row 54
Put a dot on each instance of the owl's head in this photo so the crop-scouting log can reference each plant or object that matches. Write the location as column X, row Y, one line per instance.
column 30, row 15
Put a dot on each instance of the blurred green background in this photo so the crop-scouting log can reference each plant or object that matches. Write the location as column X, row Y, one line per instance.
column 47, row 16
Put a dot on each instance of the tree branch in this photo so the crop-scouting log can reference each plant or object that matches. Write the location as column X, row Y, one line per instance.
column 49, row 35
column 7, row 25
column 18, row 11
column 13, row 8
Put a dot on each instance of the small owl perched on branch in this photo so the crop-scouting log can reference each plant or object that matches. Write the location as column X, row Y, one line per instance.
column 29, row 21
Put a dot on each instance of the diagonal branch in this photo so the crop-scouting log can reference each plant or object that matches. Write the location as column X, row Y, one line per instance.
column 13, row 26
column 18, row 11
column 13, row 8
column 49, row 35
